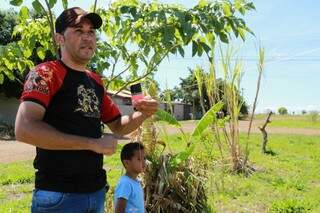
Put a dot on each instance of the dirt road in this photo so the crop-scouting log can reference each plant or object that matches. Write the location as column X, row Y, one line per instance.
column 11, row 151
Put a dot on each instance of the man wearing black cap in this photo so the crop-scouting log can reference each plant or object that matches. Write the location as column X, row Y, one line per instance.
column 62, row 107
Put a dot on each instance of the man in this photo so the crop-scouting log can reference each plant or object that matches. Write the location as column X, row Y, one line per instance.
column 62, row 107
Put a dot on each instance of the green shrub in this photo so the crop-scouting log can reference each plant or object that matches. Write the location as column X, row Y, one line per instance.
column 290, row 206
column 20, row 172
column 314, row 115
column 282, row 111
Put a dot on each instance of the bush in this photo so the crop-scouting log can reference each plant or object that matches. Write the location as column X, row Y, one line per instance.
column 314, row 115
column 6, row 131
column 290, row 206
column 282, row 111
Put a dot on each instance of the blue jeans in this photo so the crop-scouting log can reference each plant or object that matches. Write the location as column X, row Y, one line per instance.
column 60, row 202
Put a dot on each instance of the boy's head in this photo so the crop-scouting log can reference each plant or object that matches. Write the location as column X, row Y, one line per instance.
column 133, row 157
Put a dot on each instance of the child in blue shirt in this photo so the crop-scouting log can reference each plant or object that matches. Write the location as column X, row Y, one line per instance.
column 128, row 194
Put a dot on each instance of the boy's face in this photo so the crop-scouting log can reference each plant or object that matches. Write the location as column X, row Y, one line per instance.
column 137, row 164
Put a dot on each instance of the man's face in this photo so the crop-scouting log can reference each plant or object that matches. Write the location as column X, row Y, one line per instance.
column 79, row 42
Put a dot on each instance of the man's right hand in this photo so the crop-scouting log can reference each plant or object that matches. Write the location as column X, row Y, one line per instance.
column 106, row 145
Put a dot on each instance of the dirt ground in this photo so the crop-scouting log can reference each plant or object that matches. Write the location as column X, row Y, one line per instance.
column 12, row 151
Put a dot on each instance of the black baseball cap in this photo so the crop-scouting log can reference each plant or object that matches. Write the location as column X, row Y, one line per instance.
column 73, row 16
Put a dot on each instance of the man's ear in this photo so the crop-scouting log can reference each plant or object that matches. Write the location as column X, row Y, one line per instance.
column 59, row 39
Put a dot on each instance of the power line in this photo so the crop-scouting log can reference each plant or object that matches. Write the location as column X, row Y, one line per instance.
column 256, row 59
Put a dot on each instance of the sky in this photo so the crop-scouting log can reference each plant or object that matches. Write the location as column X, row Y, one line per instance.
column 290, row 33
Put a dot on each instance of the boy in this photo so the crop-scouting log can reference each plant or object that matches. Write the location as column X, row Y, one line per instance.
column 129, row 193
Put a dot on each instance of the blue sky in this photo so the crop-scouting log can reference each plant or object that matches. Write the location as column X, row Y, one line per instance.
column 289, row 31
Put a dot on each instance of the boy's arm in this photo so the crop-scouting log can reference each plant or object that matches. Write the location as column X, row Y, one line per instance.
column 120, row 205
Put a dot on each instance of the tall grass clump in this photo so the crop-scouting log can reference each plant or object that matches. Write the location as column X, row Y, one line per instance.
column 314, row 116
column 172, row 181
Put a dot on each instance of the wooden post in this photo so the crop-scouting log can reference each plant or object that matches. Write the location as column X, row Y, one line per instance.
column 264, row 133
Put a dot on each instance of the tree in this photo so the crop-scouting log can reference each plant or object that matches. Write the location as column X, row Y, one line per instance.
column 188, row 92
column 153, row 31
column 139, row 36
column 283, row 111
column 8, row 19
column 21, row 49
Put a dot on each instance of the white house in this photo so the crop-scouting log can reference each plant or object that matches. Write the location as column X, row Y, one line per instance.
column 181, row 111
column 9, row 106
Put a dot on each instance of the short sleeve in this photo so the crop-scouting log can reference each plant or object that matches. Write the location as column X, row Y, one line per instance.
column 123, row 190
column 41, row 84
column 110, row 111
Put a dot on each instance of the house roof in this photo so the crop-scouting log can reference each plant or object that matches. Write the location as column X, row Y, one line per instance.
column 123, row 93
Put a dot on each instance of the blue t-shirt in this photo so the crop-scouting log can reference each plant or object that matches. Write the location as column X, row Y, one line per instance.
column 132, row 191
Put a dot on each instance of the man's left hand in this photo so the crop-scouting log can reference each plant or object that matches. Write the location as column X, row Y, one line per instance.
column 147, row 106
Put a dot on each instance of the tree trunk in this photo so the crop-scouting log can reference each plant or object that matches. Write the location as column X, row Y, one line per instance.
column 265, row 134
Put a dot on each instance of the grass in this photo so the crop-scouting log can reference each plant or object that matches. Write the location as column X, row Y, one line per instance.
column 291, row 121
column 303, row 122
column 287, row 181
column 16, row 173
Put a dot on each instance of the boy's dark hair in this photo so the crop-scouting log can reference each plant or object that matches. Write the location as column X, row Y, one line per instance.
column 128, row 150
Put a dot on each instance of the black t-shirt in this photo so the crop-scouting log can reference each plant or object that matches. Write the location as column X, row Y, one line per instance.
column 76, row 103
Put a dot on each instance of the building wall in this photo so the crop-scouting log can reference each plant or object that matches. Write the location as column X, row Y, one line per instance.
column 8, row 109
column 181, row 111
column 125, row 109
column 178, row 111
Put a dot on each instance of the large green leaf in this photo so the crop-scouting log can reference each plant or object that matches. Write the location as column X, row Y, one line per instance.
column 16, row 2
column 24, row 13
column 52, row 3
column 194, row 48
column 27, row 53
column 65, row 4
column 21, row 66
column 162, row 115
column 9, row 64
column 226, row 9
column 41, row 52
column 181, row 51
column 202, row 3
column 182, row 156
column 223, row 37
column 1, row 78
column 208, row 119
column 37, row 6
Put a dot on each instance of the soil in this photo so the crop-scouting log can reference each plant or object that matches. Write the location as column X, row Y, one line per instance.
column 12, row 151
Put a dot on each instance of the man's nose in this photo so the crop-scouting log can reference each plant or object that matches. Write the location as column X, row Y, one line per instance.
column 87, row 36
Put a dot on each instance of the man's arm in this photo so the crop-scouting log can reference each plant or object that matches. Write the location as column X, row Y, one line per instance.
column 126, row 124
column 120, row 205
column 30, row 128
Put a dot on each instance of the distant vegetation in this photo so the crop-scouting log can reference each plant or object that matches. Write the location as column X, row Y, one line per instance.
column 282, row 111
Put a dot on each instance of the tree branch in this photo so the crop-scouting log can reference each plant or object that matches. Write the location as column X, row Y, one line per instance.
column 113, row 70
column 50, row 20
column 95, row 6
column 149, row 70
